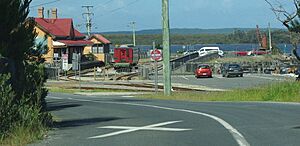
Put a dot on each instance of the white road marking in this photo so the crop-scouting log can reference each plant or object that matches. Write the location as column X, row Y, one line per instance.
column 133, row 129
column 128, row 96
column 268, row 78
column 55, row 97
column 239, row 138
column 185, row 78
column 218, row 77
column 156, row 129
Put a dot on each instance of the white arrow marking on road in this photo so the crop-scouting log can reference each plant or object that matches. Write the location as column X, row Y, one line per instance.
column 240, row 139
column 132, row 129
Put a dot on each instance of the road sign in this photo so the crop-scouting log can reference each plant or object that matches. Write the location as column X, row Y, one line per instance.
column 156, row 55
column 55, row 55
column 65, row 64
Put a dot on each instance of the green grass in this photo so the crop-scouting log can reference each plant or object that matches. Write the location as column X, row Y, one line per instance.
column 23, row 135
column 32, row 126
column 279, row 92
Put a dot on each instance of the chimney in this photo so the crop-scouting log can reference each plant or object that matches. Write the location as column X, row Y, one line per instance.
column 41, row 12
column 54, row 13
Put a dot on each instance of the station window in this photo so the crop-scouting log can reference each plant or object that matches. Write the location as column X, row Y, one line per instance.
column 97, row 49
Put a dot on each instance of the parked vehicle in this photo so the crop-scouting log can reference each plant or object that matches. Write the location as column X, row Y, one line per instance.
column 241, row 53
column 126, row 57
column 203, row 70
column 298, row 73
column 208, row 50
column 258, row 52
column 231, row 70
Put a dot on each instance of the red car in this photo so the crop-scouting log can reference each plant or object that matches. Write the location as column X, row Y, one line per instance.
column 203, row 70
column 241, row 53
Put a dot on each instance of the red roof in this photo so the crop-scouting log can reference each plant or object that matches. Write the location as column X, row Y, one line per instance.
column 58, row 27
column 76, row 42
column 100, row 38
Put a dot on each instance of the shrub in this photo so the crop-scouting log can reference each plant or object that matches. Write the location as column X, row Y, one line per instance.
column 8, row 110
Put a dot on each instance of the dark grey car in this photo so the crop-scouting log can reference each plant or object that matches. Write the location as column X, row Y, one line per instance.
column 231, row 70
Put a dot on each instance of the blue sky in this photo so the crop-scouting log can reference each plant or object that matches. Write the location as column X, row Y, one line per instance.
column 115, row 15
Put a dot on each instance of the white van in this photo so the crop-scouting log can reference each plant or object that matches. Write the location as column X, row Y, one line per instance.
column 208, row 50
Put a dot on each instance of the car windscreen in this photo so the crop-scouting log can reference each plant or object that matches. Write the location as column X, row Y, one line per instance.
column 211, row 50
column 203, row 66
column 234, row 66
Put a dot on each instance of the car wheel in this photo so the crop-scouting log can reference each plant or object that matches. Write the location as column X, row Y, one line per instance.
column 227, row 75
column 223, row 75
column 242, row 75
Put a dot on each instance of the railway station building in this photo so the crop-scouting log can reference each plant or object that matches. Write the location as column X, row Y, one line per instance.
column 100, row 48
column 60, row 36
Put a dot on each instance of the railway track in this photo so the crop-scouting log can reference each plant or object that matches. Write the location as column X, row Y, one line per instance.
column 128, row 76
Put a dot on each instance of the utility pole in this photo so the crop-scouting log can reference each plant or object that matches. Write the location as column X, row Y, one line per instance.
column 88, row 15
column 133, row 31
column 270, row 38
column 166, row 47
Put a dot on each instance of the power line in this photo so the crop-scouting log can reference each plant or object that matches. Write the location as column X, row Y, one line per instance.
column 104, row 4
column 42, row 4
column 118, row 9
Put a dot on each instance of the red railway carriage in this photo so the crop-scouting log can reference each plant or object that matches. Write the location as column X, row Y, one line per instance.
column 126, row 57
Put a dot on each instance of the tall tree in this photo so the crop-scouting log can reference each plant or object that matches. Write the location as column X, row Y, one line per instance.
column 290, row 19
column 22, row 93
column 16, row 39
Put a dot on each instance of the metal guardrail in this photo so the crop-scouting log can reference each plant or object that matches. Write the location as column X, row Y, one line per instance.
column 194, row 57
column 178, row 62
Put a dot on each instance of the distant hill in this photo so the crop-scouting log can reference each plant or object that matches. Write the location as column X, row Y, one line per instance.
column 186, row 31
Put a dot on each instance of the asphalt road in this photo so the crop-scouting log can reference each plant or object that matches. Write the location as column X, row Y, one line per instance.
column 126, row 121
column 219, row 82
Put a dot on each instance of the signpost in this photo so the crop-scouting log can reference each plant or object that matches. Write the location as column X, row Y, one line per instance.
column 156, row 55
column 65, row 63
column 76, row 65
column 57, row 64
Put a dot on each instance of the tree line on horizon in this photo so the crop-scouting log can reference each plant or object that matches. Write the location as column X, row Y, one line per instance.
column 236, row 37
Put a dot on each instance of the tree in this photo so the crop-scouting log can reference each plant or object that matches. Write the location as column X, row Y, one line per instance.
column 16, row 38
column 290, row 19
column 23, row 87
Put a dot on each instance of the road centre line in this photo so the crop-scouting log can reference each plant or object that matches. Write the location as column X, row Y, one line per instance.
column 239, row 138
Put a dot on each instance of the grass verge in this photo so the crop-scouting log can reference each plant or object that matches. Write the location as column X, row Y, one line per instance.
column 23, row 135
column 278, row 92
